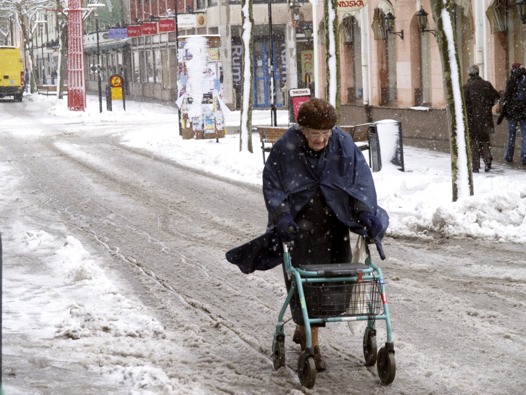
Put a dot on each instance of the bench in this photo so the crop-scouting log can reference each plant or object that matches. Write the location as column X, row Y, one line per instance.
column 268, row 135
column 47, row 89
column 50, row 90
column 360, row 134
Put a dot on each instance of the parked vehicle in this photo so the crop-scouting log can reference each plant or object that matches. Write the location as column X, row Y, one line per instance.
column 11, row 72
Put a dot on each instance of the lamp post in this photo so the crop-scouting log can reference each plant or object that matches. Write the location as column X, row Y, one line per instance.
column 99, row 77
column 43, row 68
column 273, row 112
column 176, row 6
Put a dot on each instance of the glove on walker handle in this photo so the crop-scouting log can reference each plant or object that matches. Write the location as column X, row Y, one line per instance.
column 286, row 227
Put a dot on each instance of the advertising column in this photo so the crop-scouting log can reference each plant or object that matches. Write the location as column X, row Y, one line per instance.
column 200, row 80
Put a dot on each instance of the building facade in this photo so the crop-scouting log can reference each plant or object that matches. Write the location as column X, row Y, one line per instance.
column 390, row 66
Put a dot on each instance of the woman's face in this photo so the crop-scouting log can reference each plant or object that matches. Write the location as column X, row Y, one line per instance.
column 317, row 139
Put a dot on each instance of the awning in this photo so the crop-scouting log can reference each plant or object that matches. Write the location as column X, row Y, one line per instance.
column 108, row 46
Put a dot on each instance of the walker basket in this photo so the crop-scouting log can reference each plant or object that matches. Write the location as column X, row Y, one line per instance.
column 343, row 299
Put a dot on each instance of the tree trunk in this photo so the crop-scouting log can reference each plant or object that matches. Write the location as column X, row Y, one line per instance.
column 333, row 54
column 462, row 177
column 245, row 138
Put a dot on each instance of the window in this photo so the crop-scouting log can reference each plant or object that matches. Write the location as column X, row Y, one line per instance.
column 157, row 66
column 135, row 77
column 351, row 65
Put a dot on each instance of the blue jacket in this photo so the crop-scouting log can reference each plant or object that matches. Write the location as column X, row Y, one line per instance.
column 290, row 181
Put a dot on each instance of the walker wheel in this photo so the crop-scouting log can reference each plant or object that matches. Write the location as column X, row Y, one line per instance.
column 278, row 352
column 369, row 347
column 306, row 370
column 386, row 366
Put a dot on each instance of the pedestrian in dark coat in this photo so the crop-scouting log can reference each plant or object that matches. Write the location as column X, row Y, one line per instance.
column 480, row 97
column 317, row 185
column 514, row 109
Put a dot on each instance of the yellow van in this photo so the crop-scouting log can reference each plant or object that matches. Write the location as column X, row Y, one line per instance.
column 11, row 72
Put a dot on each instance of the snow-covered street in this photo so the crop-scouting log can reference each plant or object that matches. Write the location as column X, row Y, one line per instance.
column 114, row 232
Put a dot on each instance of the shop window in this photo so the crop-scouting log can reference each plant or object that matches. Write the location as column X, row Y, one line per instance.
column 135, row 77
column 158, row 66
column 165, row 69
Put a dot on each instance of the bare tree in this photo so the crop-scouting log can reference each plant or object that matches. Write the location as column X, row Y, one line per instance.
column 462, row 177
column 245, row 140
column 333, row 53
column 25, row 13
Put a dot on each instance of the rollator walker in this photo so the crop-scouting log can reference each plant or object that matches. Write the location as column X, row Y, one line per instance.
column 331, row 293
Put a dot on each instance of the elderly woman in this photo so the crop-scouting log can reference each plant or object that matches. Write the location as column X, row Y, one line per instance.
column 317, row 186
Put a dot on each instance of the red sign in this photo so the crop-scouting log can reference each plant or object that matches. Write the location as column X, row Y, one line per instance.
column 149, row 28
column 298, row 97
column 297, row 101
column 134, row 31
column 167, row 25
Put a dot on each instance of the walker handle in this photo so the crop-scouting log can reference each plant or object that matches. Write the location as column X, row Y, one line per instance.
column 379, row 248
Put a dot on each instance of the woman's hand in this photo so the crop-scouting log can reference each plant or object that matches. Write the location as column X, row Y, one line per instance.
column 286, row 227
column 372, row 223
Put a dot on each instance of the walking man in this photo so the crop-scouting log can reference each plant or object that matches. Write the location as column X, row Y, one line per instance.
column 480, row 97
column 514, row 109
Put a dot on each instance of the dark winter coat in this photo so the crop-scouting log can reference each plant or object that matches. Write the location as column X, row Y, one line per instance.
column 480, row 97
column 289, row 182
column 513, row 108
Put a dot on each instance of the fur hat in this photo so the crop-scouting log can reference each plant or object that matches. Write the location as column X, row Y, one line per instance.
column 317, row 114
column 515, row 65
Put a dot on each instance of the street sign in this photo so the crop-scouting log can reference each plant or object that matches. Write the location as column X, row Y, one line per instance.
column 116, row 81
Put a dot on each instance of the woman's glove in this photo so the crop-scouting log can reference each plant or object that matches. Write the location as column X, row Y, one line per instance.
column 372, row 223
column 286, row 227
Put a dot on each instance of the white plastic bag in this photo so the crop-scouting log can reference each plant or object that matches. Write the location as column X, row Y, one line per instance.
column 358, row 296
column 359, row 254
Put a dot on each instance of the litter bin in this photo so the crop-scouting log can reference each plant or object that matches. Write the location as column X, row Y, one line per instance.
column 390, row 139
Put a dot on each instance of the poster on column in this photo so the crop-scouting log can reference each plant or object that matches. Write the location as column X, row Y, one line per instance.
column 200, row 87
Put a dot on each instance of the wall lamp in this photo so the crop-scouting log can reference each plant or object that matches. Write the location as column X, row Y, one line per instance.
column 307, row 32
column 389, row 20
column 295, row 8
column 421, row 18
column 521, row 7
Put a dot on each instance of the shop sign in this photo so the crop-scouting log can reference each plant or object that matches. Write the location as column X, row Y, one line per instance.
column 167, row 25
column 148, row 28
column 350, row 5
column 134, row 31
column 187, row 21
column 117, row 33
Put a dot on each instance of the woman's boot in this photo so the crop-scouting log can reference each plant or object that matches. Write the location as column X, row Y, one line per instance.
column 299, row 336
column 318, row 359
